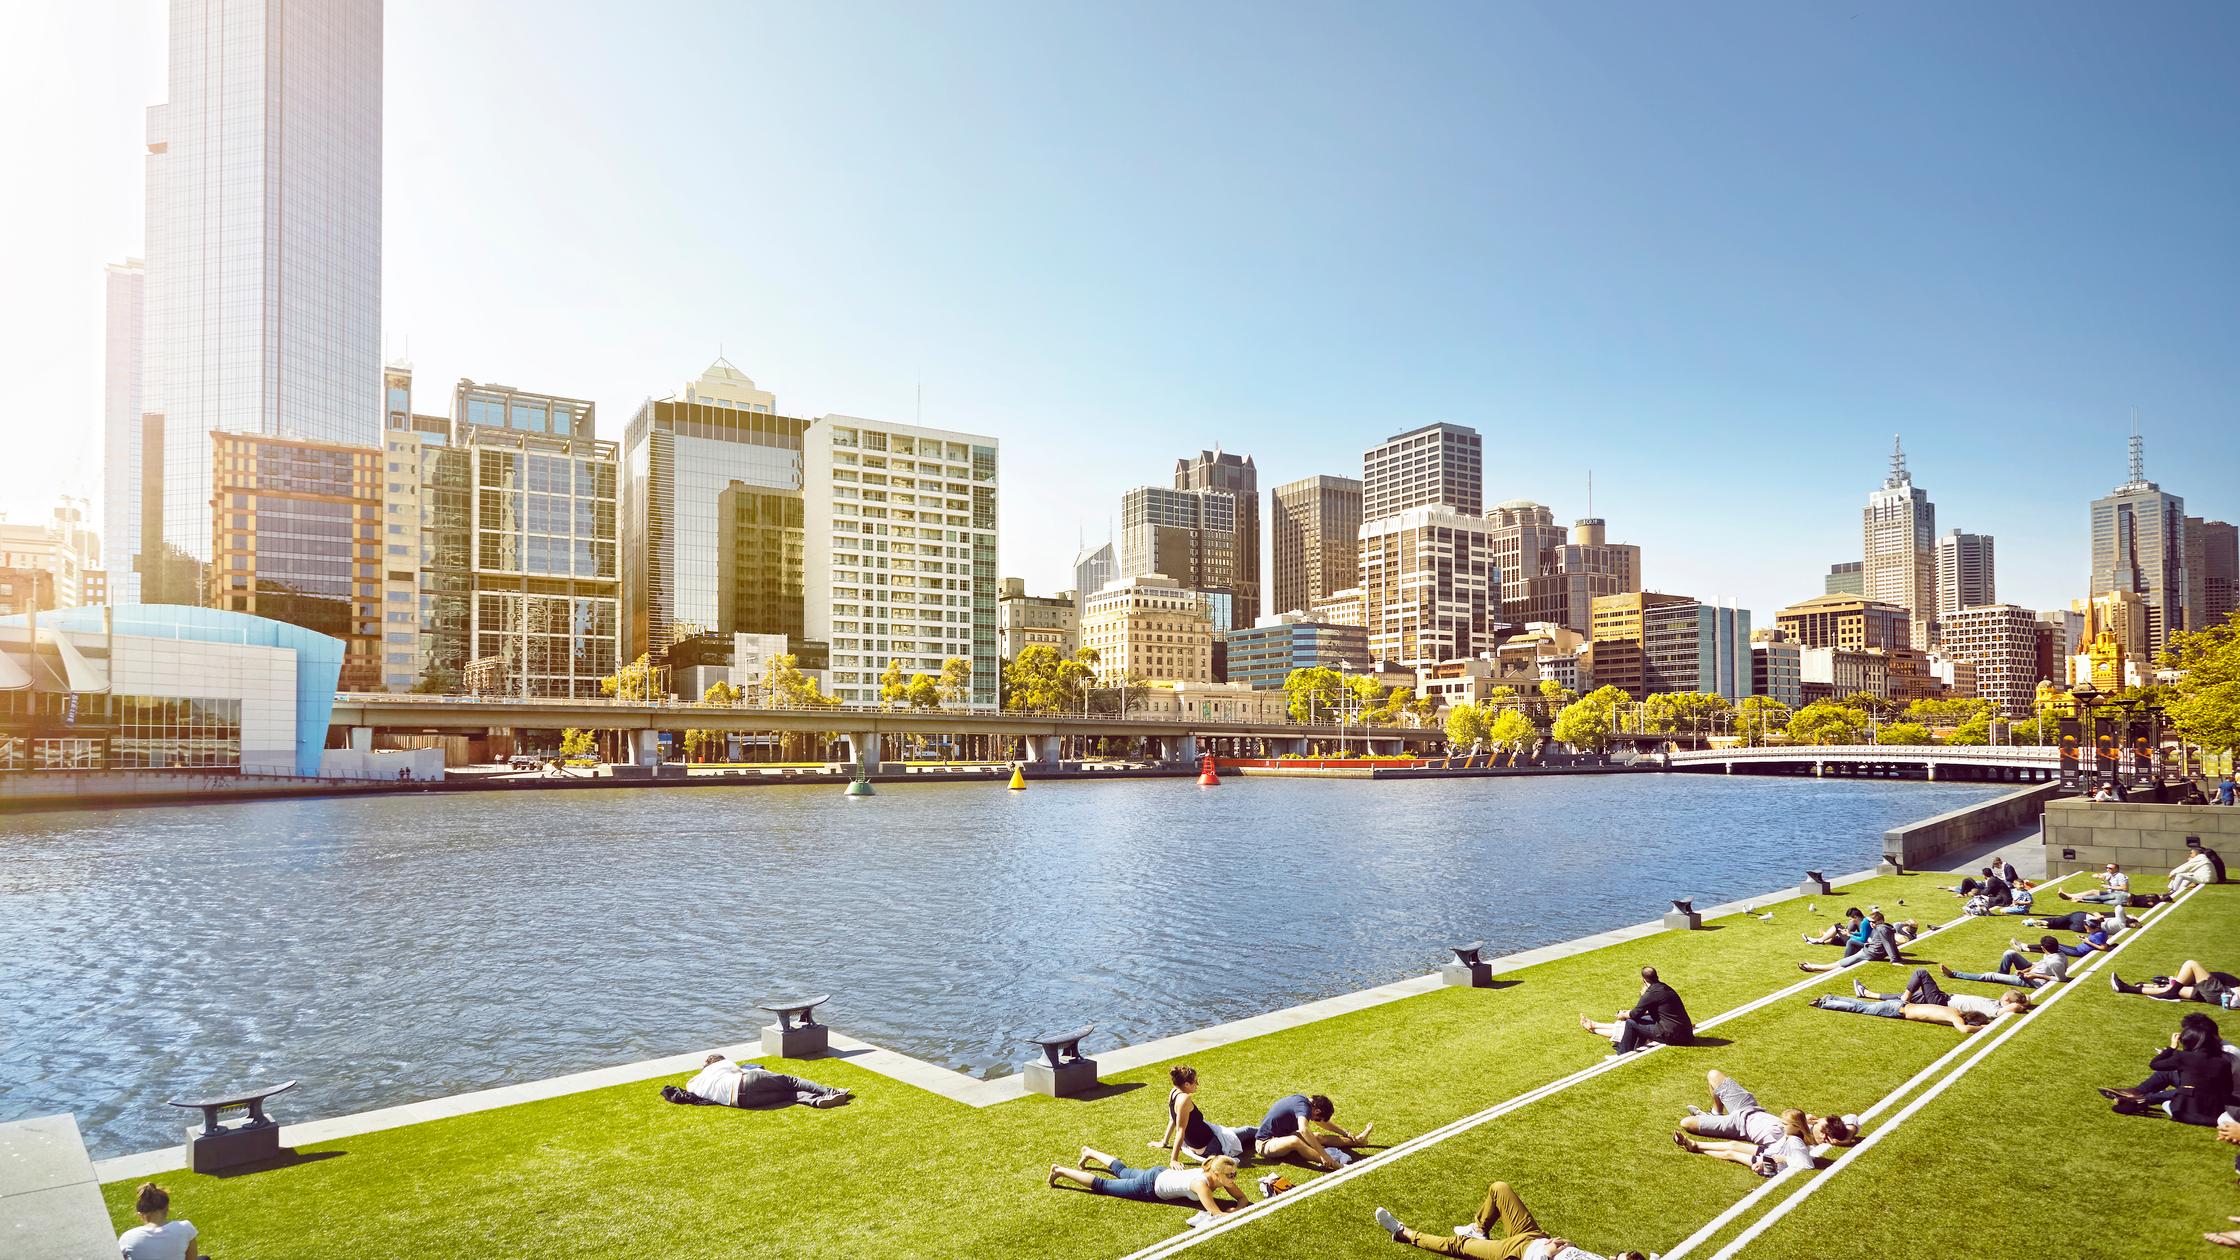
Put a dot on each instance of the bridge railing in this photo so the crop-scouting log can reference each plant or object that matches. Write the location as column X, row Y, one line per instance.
column 381, row 699
column 2004, row 754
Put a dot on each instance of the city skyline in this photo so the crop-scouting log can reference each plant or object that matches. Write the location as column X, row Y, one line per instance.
column 2015, row 418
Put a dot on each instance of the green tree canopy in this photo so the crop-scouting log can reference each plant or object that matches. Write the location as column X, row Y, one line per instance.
column 1512, row 730
column 956, row 681
column 634, row 681
column 894, row 685
column 1758, row 717
column 1039, row 680
column 2205, row 703
column 1587, row 723
column 924, row 692
column 1466, row 726
column 1946, row 711
column 784, row 684
column 1828, row 722
column 578, row 742
column 1314, row 693
column 1555, row 695
column 1905, row 733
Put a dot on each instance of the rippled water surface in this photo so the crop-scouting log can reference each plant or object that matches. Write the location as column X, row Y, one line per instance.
column 396, row 949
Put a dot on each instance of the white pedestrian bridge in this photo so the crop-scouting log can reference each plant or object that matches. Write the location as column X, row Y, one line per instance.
column 1998, row 763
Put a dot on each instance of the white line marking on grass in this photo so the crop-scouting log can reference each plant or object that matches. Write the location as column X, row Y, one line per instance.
column 1424, row 1141
column 1763, row 1223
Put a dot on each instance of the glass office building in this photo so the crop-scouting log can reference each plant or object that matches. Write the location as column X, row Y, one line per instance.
column 295, row 538
column 545, row 608
column 760, row 588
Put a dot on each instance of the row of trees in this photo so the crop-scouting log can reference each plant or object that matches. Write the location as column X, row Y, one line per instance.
column 1321, row 694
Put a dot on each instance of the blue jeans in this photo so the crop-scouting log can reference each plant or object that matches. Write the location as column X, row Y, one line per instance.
column 1128, row 1183
column 2001, row 976
column 2104, row 898
column 1888, row 1009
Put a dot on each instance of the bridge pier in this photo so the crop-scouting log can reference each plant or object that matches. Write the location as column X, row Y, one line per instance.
column 361, row 739
column 1932, row 767
column 863, row 750
column 1044, row 750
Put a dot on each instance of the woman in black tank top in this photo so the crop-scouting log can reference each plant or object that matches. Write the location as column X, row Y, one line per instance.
column 1187, row 1128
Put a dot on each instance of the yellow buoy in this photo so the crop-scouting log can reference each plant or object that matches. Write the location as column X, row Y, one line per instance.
column 1018, row 779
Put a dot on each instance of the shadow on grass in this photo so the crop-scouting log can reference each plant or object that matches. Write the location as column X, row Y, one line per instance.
column 1702, row 1042
column 1106, row 1089
column 286, row 1159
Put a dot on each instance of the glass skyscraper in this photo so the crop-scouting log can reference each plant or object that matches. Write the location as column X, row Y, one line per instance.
column 263, row 290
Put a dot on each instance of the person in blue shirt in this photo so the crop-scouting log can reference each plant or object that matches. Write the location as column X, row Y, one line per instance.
column 1298, row 1127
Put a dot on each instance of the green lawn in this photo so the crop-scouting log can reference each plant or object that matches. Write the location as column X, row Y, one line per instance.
column 902, row 1172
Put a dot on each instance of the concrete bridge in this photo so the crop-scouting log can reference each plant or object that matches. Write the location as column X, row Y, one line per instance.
column 1042, row 736
column 2006, row 764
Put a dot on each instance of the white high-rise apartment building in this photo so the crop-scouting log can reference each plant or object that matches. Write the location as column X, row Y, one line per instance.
column 1429, row 588
column 263, row 297
column 2002, row 642
column 1900, row 541
column 900, row 552
column 1965, row 573
column 125, row 289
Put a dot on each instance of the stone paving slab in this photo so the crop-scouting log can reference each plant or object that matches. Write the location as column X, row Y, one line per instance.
column 50, row 1201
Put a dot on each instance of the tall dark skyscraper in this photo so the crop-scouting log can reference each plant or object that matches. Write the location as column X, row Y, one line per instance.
column 1218, row 470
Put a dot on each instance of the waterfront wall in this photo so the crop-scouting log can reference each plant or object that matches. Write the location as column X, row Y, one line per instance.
column 1921, row 844
column 2082, row 835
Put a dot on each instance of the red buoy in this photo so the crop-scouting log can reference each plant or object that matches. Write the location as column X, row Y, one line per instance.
column 1208, row 776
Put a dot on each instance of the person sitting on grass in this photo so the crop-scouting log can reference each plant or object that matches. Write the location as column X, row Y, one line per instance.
column 731, row 1084
column 2025, row 900
column 1659, row 1016
column 1188, row 1130
column 1298, row 1127
column 1521, row 1237
column 2114, row 890
column 1881, row 946
column 2191, row 1081
column 1212, row 1185
column 157, row 1236
column 2192, row 983
column 2016, row 969
column 1924, row 1003
column 2194, row 872
column 1851, row 933
column 1740, row 1131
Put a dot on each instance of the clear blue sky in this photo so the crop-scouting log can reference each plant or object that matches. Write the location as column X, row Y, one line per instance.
column 1717, row 253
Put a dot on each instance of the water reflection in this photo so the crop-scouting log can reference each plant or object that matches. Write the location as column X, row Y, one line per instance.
column 406, row 948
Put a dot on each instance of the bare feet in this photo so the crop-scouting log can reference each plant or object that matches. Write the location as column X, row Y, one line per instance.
column 1585, row 1023
column 1053, row 1178
column 1363, row 1136
column 1682, row 1141
column 1086, row 1156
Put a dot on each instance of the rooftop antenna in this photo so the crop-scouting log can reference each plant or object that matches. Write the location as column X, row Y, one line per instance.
column 2138, row 450
column 921, row 402
column 1590, row 494
column 1898, row 474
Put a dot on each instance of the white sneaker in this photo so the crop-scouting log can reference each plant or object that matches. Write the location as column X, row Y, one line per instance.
column 1389, row 1223
column 1469, row 1229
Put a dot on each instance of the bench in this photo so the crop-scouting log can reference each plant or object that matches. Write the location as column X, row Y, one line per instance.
column 1683, row 917
column 1062, row 1071
column 797, row 1034
column 1469, row 968
column 222, row 1144
column 1815, row 885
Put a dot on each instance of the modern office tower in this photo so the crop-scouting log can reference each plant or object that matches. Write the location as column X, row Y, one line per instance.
column 1696, row 647
column 1900, row 533
column 1264, row 655
column 1845, row 577
column 2001, row 641
column 1438, row 465
column 1846, row 621
column 2138, row 546
column 1092, row 568
column 296, row 538
column 1342, row 608
column 1831, row 673
column 124, row 290
column 427, row 586
column 1429, row 588
column 2216, row 562
column 1776, row 667
column 1314, row 548
column 1192, row 536
column 679, row 455
column 1218, row 470
column 1965, row 577
column 1023, row 620
column 263, row 290
column 1149, row 627
column 1619, row 628
column 1557, row 576
column 901, row 551
column 2060, row 631
column 762, row 585
column 519, row 515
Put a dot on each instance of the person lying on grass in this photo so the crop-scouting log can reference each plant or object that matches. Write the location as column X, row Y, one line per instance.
column 2016, row 969
column 2192, row 983
column 1738, row 1130
column 1298, row 1127
column 1205, row 1185
column 1659, row 1016
column 1521, row 1237
column 746, row 1085
column 1189, row 1132
column 1881, row 946
column 1924, row 1003
column 2114, row 890
column 2191, row 1082
column 2086, row 921
column 2096, row 941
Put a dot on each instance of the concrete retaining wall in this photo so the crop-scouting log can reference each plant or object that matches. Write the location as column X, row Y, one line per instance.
column 2084, row 836
column 1921, row 844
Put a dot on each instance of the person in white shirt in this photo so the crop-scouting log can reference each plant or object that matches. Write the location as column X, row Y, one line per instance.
column 1737, row 1129
column 1204, row 1185
column 745, row 1085
column 157, row 1236
column 2115, row 888
column 2195, row 871
column 1924, row 1002
column 1521, row 1237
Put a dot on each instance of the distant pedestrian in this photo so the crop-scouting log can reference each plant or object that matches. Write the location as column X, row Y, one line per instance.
column 2226, row 789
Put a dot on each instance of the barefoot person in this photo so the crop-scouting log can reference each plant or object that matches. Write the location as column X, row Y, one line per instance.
column 1212, row 1185
column 1188, row 1131
column 2114, row 890
column 2192, row 983
column 1881, row 946
column 1738, row 1130
column 2016, row 969
column 1925, row 1003
column 745, row 1085
column 1659, row 1016
column 157, row 1236
column 1521, row 1237
column 1851, row 932
column 1298, row 1127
